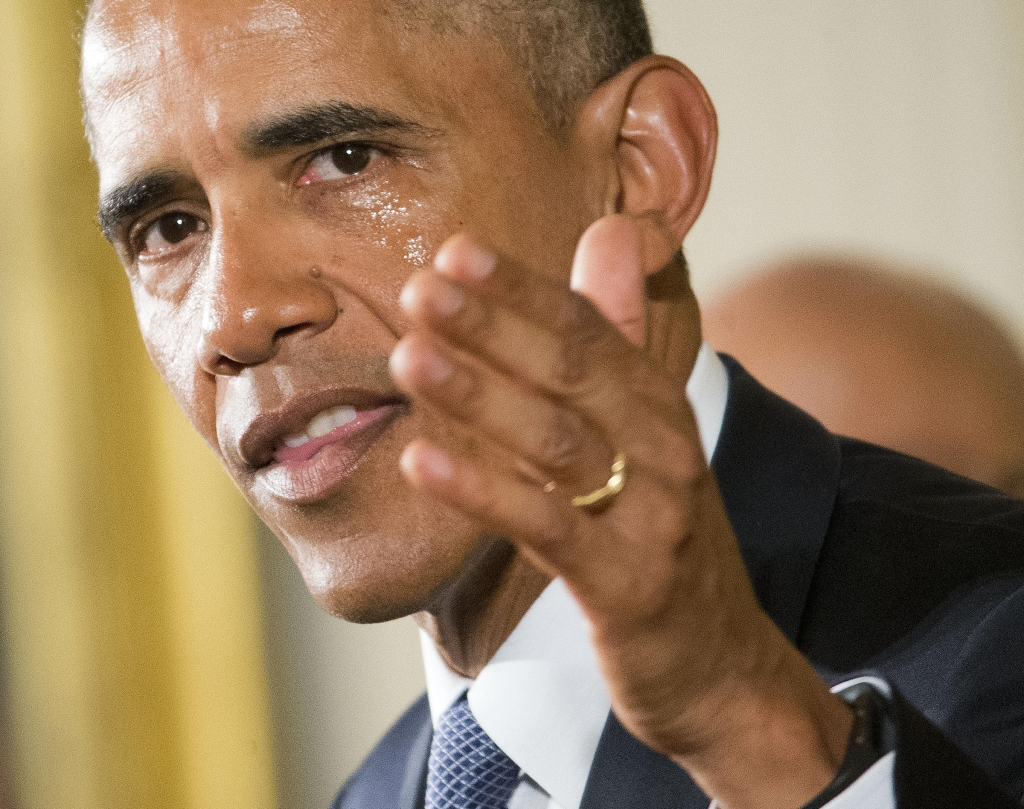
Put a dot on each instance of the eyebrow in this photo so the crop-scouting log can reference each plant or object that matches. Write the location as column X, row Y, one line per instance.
column 333, row 120
column 137, row 196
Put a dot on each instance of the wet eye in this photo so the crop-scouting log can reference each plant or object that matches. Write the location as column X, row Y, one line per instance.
column 345, row 160
column 169, row 230
column 350, row 159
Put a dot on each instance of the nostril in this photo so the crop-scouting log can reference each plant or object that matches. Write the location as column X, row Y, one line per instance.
column 246, row 319
column 284, row 331
column 225, row 366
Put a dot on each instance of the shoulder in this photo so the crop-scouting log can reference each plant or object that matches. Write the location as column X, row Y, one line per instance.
column 875, row 475
column 930, row 527
column 921, row 579
column 905, row 540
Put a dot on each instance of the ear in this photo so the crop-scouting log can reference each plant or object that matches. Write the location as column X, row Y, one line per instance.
column 648, row 137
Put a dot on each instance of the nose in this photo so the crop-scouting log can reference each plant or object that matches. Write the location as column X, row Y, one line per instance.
column 258, row 292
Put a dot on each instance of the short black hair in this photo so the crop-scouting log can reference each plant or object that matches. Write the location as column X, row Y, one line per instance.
column 566, row 48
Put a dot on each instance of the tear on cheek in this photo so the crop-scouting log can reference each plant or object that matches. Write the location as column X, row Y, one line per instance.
column 378, row 217
column 416, row 252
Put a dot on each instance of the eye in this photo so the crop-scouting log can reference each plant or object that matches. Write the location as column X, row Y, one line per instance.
column 169, row 230
column 344, row 160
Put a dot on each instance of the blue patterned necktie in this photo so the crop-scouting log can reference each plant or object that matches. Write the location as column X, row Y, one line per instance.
column 467, row 770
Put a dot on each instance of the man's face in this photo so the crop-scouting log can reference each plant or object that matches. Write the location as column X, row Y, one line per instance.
column 271, row 174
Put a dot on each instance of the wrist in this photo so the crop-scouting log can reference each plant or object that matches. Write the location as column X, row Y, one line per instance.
column 779, row 737
column 872, row 736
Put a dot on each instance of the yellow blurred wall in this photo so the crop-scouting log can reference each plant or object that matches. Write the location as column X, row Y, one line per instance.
column 128, row 582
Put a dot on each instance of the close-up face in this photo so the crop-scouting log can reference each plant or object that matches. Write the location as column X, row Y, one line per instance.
column 271, row 174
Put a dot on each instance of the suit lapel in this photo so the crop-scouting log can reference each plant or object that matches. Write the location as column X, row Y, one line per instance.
column 627, row 774
column 394, row 775
column 778, row 471
column 413, row 793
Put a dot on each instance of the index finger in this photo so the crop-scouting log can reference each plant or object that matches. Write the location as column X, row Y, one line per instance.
column 560, row 313
column 607, row 269
column 531, row 295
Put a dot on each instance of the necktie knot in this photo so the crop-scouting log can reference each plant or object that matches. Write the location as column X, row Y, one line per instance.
column 467, row 770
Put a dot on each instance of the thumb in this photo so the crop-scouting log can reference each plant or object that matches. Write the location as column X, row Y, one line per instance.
column 608, row 269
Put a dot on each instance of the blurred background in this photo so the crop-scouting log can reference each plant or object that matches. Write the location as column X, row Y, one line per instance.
column 158, row 649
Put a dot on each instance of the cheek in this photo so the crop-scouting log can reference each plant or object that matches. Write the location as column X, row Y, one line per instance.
column 401, row 226
column 549, row 225
column 374, row 242
column 528, row 205
column 171, row 335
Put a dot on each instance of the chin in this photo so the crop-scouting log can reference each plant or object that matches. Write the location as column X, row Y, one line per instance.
column 376, row 549
column 381, row 575
column 365, row 607
column 368, row 593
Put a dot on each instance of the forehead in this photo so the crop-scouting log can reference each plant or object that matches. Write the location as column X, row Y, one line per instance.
column 152, row 70
column 129, row 45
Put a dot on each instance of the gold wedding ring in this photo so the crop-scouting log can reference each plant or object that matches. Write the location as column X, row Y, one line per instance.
column 606, row 493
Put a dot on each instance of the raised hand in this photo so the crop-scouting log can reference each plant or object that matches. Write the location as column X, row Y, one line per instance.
column 563, row 384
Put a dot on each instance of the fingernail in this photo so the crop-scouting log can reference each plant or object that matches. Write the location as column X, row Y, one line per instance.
column 407, row 298
column 448, row 299
column 436, row 463
column 436, row 367
column 473, row 262
column 479, row 262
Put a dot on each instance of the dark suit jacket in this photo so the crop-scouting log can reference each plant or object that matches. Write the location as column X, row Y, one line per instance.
column 871, row 562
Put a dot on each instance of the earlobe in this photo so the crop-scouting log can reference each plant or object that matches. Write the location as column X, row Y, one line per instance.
column 654, row 132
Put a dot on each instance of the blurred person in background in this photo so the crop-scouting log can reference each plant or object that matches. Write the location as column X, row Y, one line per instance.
column 884, row 356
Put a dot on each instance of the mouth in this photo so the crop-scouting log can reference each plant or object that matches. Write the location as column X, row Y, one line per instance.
column 301, row 453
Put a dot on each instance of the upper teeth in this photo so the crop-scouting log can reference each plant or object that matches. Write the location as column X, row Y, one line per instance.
column 322, row 424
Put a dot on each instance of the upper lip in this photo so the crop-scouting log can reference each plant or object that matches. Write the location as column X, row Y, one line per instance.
column 267, row 431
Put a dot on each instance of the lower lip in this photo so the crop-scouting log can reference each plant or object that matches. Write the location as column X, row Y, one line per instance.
column 306, row 481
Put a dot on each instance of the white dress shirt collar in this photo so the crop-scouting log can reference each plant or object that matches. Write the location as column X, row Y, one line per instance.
column 542, row 698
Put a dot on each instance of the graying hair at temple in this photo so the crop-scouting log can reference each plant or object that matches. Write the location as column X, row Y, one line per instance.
column 565, row 47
